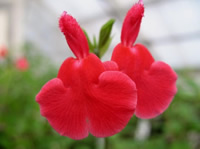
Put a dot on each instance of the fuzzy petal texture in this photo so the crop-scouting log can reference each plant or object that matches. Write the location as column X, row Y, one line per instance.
column 155, row 81
column 74, row 35
column 131, row 24
column 86, row 98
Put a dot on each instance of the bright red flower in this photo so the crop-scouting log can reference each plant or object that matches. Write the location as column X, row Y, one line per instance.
column 155, row 80
column 87, row 95
column 22, row 64
column 3, row 51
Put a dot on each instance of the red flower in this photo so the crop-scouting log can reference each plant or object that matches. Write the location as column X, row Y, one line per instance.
column 155, row 80
column 3, row 51
column 87, row 95
column 22, row 64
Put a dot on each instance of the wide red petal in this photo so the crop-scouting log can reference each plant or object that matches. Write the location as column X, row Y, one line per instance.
column 155, row 81
column 113, row 105
column 156, row 89
column 64, row 109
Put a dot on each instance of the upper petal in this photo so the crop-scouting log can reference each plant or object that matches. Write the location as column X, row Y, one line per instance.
column 131, row 24
column 74, row 35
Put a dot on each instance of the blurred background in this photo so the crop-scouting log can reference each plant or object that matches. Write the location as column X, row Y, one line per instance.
column 32, row 48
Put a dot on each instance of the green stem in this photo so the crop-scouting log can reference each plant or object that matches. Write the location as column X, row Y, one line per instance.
column 106, row 143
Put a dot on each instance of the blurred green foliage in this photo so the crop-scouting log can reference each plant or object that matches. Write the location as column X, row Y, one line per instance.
column 22, row 126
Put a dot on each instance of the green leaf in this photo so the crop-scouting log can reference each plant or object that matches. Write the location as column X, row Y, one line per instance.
column 95, row 42
column 105, row 32
column 96, row 50
column 103, row 49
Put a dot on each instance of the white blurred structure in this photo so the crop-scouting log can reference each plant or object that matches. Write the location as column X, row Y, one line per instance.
column 143, row 130
column 170, row 28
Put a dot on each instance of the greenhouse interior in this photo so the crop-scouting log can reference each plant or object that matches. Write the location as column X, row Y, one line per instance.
column 33, row 48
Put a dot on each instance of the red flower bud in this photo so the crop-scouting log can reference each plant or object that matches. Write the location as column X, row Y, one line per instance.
column 3, row 51
column 22, row 64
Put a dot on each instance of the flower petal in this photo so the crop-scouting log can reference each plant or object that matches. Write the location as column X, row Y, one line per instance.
column 74, row 72
column 113, row 105
column 131, row 25
column 132, row 61
column 155, row 81
column 110, row 65
column 156, row 89
column 74, row 35
column 64, row 109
